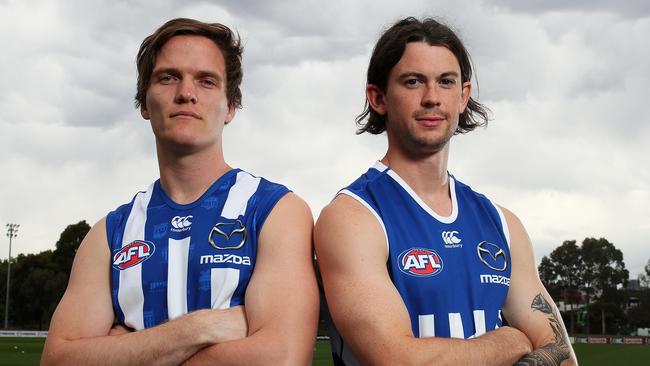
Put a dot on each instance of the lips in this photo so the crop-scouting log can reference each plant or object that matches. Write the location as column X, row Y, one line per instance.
column 430, row 121
column 185, row 114
column 429, row 118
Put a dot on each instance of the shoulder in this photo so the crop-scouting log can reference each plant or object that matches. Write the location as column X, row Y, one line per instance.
column 348, row 225
column 515, row 226
column 374, row 175
column 292, row 205
column 345, row 209
column 261, row 187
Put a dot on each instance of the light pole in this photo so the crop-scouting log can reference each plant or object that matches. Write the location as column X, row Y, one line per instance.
column 12, row 232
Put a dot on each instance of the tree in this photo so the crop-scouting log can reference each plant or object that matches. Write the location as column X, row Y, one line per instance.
column 562, row 274
column 36, row 289
column 39, row 280
column 644, row 278
column 67, row 246
column 604, row 271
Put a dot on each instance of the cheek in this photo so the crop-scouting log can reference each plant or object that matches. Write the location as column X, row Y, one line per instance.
column 156, row 103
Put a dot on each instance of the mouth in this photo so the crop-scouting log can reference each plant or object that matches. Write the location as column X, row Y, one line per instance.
column 185, row 114
column 430, row 121
column 429, row 118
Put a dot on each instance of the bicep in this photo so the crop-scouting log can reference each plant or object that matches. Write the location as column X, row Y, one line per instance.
column 528, row 306
column 85, row 309
column 282, row 296
column 364, row 304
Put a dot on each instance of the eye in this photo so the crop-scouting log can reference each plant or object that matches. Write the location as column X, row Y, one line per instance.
column 447, row 82
column 166, row 79
column 412, row 82
column 208, row 83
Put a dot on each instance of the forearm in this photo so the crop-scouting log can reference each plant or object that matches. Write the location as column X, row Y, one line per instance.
column 261, row 348
column 503, row 346
column 557, row 351
column 170, row 343
column 552, row 354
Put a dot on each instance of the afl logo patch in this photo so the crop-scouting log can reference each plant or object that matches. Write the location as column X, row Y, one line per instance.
column 132, row 254
column 420, row 262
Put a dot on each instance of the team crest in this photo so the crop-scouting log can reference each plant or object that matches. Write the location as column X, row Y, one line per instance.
column 228, row 235
column 492, row 256
column 420, row 262
column 132, row 254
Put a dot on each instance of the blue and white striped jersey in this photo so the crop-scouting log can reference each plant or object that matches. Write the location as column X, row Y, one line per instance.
column 453, row 273
column 170, row 259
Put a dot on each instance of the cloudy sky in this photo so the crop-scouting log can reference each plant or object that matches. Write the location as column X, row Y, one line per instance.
column 567, row 149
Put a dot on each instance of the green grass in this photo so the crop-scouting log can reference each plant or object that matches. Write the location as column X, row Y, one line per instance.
column 27, row 351
column 19, row 351
column 612, row 354
column 322, row 354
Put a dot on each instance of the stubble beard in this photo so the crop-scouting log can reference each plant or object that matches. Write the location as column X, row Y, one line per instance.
column 420, row 144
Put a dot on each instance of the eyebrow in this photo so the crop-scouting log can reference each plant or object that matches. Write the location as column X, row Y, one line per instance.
column 410, row 74
column 175, row 71
column 422, row 76
column 449, row 73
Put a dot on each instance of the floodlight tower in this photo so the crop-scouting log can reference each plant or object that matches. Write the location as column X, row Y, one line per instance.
column 12, row 232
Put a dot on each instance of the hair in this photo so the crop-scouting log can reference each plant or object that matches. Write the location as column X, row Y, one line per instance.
column 389, row 50
column 228, row 42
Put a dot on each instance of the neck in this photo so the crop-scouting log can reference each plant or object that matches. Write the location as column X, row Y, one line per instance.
column 425, row 174
column 186, row 177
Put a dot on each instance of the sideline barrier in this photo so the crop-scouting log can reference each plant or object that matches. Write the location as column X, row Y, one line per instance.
column 23, row 333
column 610, row 340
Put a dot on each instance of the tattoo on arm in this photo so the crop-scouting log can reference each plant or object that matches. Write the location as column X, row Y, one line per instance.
column 552, row 353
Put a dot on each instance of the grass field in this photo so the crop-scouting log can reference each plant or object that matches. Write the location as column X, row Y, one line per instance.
column 20, row 351
column 27, row 351
column 612, row 354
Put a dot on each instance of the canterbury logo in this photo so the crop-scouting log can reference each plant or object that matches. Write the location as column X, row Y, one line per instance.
column 182, row 222
column 449, row 237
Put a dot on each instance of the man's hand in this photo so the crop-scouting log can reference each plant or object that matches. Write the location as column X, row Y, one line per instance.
column 513, row 337
column 222, row 325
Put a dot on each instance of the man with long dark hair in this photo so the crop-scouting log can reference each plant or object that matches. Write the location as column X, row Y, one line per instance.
column 417, row 268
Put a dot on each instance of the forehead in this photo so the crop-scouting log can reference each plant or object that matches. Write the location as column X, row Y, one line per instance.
column 191, row 52
column 426, row 59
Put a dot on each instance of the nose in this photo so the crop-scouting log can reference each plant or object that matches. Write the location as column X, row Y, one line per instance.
column 186, row 92
column 430, row 98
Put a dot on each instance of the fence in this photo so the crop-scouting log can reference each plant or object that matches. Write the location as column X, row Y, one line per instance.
column 23, row 333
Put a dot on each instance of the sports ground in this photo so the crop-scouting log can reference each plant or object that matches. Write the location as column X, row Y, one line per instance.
column 27, row 351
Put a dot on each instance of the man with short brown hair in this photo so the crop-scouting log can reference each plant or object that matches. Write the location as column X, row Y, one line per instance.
column 200, row 268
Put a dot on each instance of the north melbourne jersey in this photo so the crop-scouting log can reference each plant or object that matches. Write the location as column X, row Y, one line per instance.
column 169, row 259
column 453, row 272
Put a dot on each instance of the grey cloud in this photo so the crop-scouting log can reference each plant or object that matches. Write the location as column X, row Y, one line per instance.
column 627, row 8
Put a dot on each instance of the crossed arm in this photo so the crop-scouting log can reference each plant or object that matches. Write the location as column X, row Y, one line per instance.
column 279, row 321
column 352, row 255
column 281, row 299
column 530, row 308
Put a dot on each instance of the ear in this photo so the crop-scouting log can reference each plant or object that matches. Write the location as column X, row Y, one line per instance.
column 376, row 99
column 466, row 92
column 144, row 112
column 231, row 114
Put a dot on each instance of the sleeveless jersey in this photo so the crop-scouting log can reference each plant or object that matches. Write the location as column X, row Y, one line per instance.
column 453, row 273
column 170, row 259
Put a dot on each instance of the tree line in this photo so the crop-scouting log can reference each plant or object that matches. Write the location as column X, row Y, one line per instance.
column 589, row 280
column 39, row 280
column 591, row 283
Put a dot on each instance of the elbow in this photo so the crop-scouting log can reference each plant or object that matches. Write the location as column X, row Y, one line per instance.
column 58, row 351
column 52, row 355
column 291, row 353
